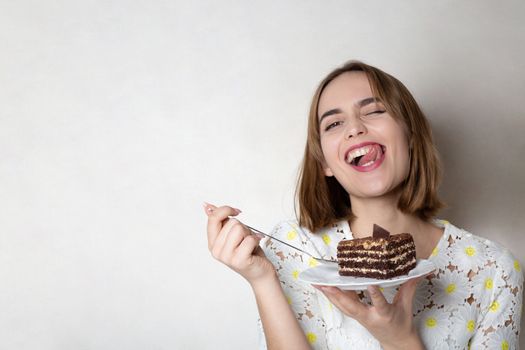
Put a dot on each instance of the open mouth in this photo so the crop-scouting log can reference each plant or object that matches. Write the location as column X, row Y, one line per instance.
column 366, row 156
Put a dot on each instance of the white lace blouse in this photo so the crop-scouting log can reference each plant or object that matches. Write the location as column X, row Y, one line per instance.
column 473, row 299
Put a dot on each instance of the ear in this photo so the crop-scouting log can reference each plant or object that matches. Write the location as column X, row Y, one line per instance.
column 327, row 171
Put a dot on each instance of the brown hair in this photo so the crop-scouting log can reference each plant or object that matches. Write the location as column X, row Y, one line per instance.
column 323, row 201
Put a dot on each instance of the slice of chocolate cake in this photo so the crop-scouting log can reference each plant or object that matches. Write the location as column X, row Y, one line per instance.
column 381, row 256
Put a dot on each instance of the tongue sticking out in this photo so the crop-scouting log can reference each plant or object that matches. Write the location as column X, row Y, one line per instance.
column 375, row 153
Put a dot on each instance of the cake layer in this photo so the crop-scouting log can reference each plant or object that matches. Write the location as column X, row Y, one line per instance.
column 367, row 260
column 381, row 258
column 384, row 254
column 378, row 273
column 370, row 244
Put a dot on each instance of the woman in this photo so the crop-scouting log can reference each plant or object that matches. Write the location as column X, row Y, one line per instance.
column 370, row 159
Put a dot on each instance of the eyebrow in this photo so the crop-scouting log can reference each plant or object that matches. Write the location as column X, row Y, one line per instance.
column 360, row 104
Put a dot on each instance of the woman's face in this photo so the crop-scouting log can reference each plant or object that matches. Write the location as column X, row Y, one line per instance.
column 364, row 147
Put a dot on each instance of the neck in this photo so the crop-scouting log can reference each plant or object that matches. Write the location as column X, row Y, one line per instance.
column 383, row 211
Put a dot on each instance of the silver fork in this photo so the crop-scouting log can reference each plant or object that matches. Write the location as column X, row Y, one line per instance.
column 289, row 245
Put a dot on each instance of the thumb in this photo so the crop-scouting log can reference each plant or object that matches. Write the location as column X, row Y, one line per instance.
column 259, row 253
column 407, row 291
column 208, row 208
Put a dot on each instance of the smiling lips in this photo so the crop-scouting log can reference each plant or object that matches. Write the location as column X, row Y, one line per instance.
column 366, row 156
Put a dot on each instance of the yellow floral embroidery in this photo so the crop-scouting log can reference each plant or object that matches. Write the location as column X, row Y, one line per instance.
column 291, row 235
column 312, row 262
column 312, row 338
column 451, row 288
column 470, row 251
column 517, row 266
column 295, row 274
column 435, row 251
column 471, row 325
column 504, row 345
column 488, row 283
column 431, row 322
column 326, row 239
column 494, row 306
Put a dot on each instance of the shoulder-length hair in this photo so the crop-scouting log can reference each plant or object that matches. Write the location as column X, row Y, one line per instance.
column 322, row 201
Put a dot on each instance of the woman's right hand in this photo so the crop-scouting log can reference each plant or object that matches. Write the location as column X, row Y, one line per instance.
column 230, row 242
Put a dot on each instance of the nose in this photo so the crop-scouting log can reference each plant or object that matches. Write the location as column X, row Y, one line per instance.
column 354, row 128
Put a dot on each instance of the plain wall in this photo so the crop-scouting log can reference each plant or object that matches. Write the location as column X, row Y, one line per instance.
column 119, row 118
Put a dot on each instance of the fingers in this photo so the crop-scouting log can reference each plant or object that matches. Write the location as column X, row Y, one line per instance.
column 229, row 241
column 245, row 251
column 378, row 300
column 235, row 246
column 228, row 233
column 406, row 292
column 216, row 217
column 231, row 237
column 347, row 301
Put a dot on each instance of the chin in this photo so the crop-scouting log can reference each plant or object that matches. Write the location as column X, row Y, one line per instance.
column 375, row 191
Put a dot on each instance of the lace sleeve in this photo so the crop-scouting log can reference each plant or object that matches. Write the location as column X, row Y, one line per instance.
column 301, row 297
column 499, row 323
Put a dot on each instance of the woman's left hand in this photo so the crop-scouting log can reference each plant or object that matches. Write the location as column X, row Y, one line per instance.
column 391, row 324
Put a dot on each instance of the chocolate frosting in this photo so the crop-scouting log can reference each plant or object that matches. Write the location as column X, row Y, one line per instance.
column 380, row 232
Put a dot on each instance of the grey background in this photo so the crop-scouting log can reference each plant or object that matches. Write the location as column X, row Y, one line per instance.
column 118, row 118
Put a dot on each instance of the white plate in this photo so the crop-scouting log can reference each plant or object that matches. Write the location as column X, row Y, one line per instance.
column 328, row 275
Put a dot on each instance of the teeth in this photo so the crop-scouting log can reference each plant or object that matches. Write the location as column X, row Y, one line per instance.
column 357, row 153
